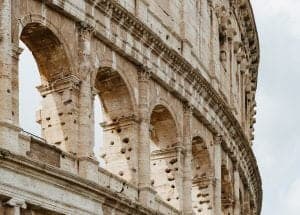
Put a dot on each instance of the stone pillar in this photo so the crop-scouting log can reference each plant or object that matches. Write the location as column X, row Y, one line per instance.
column 187, row 166
column 86, row 97
column 179, row 175
column 217, row 175
column 15, row 84
column 236, row 187
column 144, row 136
column 59, row 114
column 14, row 206
column 215, row 49
column 8, row 130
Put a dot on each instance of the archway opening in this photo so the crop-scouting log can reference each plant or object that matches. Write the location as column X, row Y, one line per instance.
column 201, row 177
column 119, row 147
column 165, row 156
column 54, row 71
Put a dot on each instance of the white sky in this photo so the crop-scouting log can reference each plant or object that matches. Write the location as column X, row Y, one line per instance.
column 277, row 129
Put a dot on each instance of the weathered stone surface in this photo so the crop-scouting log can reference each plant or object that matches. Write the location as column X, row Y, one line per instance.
column 177, row 82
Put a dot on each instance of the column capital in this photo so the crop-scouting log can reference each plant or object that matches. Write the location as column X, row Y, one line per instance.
column 15, row 202
column 59, row 84
column 144, row 73
column 85, row 29
column 218, row 139
column 187, row 107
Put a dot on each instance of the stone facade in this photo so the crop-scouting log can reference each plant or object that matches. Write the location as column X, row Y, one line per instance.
column 177, row 82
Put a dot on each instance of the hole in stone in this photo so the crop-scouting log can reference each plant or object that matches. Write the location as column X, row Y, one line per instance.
column 126, row 140
column 8, row 90
column 123, row 150
column 112, row 143
column 152, row 182
column 48, row 118
column 63, row 123
column 121, row 173
column 168, row 170
column 60, row 114
column 119, row 130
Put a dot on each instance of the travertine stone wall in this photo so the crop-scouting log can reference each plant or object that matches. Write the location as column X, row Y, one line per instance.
column 177, row 82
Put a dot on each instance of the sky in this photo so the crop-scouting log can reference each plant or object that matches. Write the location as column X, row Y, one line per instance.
column 277, row 130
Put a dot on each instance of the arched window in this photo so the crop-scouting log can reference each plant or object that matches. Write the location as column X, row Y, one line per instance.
column 57, row 97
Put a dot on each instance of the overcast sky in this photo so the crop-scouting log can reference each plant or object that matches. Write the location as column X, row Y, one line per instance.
column 277, row 130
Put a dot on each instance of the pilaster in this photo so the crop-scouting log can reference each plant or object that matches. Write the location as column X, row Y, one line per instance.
column 236, row 187
column 217, row 175
column 86, row 97
column 187, row 166
column 144, row 136
column 8, row 129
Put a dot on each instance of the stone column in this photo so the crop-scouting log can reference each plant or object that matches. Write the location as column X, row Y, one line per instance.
column 179, row 175
column 8, row 130
column 144, row 136
column 14, row 206
column 15, row 84
column 86, row 97
column 215, row 49
column 236, row 187
column 187, row 168
column 217, row 175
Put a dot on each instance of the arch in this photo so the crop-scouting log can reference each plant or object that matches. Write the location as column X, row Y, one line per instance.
column 202, row 172
column 48, row 50
column 58, row 86
column 163, row 102
column 165, row 155
column 120, row 136
column 111, row 85
column 45, row 22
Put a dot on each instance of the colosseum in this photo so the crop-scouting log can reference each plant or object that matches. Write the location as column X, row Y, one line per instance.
column 177, row 82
